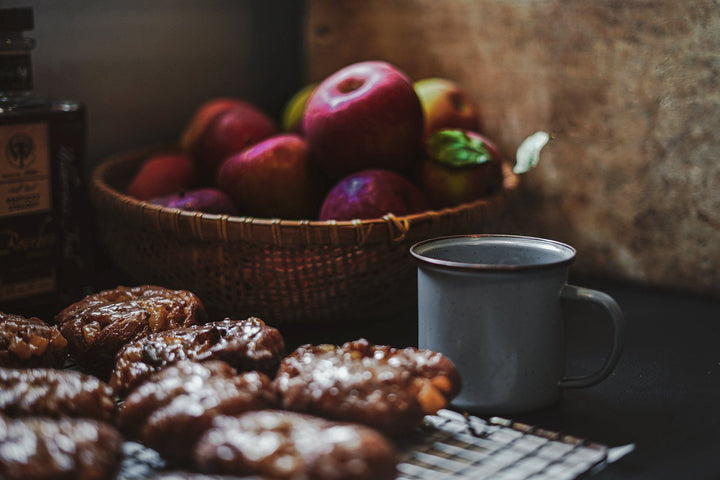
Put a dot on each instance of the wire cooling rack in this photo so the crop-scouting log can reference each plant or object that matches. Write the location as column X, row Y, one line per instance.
column 461, row 446
column 452, row 446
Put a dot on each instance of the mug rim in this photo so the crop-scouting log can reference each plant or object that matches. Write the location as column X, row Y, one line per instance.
column 420, row 258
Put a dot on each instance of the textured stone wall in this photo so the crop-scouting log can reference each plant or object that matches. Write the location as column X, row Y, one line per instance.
column 629, row 89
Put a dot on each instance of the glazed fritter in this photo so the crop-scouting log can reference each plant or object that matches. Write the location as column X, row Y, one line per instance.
column 288, row 445
column 174, row 406
column 35, row 448
column 30, row 342
column 387, row 388
column 54, row 393
column 99, row 325
column 244, row 344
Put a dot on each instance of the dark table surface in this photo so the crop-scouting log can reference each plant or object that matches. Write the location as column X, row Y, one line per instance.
column 663, row 397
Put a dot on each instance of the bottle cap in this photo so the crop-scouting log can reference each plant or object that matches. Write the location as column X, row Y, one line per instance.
column 16, row 19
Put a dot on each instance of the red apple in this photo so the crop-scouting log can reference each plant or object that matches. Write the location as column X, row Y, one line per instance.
column 372, row 194
column 273, row 179
column 231, row 127
column 364, row 116
column 461, row 166
column 200, row 119
column 162, row 174
column 208, row 200
column 445, row 105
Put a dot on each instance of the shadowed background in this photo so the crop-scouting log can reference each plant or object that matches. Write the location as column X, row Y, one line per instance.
column 143, row 67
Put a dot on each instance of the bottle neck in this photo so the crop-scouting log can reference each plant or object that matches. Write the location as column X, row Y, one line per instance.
column 15, row 64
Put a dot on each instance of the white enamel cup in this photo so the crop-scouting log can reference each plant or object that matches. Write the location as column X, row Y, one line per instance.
column 493, row 304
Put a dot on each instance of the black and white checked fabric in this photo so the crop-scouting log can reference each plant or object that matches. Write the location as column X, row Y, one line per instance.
column 459, row 446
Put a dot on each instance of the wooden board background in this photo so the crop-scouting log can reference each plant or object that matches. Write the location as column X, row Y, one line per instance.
column 629, row 89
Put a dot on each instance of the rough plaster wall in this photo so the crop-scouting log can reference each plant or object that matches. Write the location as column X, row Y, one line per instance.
column 629, row 89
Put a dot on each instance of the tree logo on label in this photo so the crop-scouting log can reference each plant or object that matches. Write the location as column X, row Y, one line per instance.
column 20, row 150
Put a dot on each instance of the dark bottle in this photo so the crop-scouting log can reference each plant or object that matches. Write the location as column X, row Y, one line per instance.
column 44, row 212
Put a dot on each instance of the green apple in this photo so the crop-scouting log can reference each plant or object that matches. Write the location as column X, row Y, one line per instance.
column 295, row 108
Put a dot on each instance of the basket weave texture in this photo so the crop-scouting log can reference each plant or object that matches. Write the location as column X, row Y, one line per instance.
column 283, row 271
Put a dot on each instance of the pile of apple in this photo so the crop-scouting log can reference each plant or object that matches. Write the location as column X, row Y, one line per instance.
column 363, row 143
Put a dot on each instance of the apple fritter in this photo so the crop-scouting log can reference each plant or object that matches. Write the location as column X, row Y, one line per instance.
column 34, row 448
column 30, row 342
column 288, row 445
column 175, row 405
column 99, row 325
column 387, row 388
column 244, row 344
column 54, row 393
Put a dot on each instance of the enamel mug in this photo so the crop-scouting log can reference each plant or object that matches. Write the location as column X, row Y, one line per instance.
column 494, row 305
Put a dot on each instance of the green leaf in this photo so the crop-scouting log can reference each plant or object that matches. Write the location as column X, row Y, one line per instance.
column 454, row 148
column 528, row 153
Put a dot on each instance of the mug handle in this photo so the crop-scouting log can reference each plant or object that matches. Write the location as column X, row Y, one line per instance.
column 572, row 292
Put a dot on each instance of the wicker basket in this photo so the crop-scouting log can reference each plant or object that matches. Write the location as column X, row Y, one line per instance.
column 282, row 271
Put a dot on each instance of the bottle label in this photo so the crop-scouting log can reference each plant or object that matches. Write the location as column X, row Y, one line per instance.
column 27, row 238
column 25, row 180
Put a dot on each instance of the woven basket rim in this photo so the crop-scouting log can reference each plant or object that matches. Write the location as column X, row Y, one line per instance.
column 276, row 231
